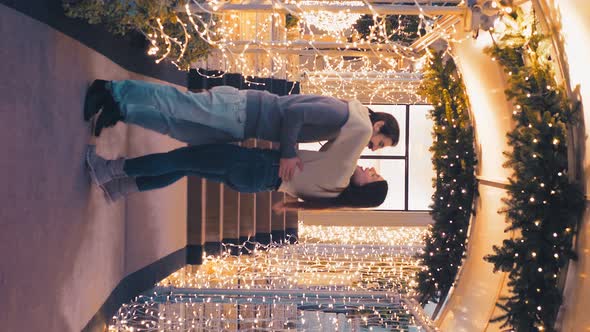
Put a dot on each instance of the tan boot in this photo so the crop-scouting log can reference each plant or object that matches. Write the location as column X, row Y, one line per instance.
column 103, row 170
column 119, row 188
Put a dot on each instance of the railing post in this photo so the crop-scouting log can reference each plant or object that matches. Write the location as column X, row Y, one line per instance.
column 195, row 223
column 277, row 219
column 213, row 218
column 231, row 218
column 263, row 206
column 291, row 222
column 247, row 209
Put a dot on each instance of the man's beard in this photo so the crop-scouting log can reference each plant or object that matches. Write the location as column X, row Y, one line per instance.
column 370, row 145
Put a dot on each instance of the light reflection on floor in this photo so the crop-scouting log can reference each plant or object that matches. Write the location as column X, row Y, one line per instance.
column 334, row 279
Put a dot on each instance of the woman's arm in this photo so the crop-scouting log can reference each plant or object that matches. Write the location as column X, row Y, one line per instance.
column 320, row 204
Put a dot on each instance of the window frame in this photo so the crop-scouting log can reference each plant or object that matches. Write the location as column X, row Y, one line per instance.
column 405, row 158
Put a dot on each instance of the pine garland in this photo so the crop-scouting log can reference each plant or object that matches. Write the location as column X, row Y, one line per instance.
column 454, row 161
column 153, row 19
column 542, row 206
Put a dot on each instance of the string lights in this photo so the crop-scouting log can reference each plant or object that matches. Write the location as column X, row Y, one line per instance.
column 329, row 21
column 454, row 161
column 376, row 59
column 542, row 205
column 331, row 280
column 323, row 52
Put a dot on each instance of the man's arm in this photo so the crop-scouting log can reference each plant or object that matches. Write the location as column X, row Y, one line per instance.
column 353, row 136
column 323, row 115
column 287, row 167
column 294, row 118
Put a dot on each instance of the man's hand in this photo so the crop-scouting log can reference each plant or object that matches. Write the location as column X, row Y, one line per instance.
column 287, row 167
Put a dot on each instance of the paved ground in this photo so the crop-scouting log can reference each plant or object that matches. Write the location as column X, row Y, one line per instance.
column 62, row 247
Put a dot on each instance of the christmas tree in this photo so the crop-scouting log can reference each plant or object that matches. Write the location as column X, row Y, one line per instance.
column 543, row 206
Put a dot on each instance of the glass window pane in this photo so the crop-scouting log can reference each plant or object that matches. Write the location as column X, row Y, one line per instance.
column 420, row 187
column 394, row 172
column 399, row 112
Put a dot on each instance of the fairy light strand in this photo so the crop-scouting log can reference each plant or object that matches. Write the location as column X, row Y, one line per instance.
column 336, row 277
column 259, row 45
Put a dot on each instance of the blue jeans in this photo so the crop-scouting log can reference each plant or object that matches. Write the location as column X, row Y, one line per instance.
column 242, row 169
column 214, row 116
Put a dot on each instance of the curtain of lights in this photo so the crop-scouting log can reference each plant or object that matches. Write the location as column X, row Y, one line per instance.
column 335, row 278
column 324, row 50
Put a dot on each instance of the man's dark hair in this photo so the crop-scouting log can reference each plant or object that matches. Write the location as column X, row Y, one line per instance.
column 390, row 126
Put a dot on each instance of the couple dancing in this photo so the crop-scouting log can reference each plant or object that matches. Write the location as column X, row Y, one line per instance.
column 325, row 179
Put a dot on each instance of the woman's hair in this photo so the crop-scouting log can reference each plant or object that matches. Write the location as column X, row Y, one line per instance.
column 390, row 126
column 366, row 196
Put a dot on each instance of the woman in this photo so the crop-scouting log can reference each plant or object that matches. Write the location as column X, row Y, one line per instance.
column 328, row 178
column 241, row 169
column 226, row 114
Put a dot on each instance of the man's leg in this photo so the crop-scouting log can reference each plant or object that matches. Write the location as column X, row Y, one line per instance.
column 182, row 130
column 222, row 108
column 211, row 160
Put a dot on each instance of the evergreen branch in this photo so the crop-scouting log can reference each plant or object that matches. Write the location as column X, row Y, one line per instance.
column 541, row 204
column 454, row 162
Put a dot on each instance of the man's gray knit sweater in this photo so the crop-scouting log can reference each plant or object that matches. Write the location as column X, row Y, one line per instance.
column 293, row 119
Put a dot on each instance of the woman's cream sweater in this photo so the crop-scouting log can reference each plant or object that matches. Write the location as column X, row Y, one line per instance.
column 327, row 172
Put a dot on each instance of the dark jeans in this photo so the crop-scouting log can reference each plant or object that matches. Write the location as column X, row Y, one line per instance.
column 242, row 169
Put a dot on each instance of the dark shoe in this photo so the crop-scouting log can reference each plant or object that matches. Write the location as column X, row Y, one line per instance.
column 96, row 96
column 109, row 116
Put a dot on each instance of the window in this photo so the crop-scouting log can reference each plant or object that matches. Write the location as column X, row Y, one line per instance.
column 407, row 167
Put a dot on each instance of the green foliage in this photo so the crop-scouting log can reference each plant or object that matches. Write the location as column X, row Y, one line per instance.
column 291, row 21
column 542, row 206
column 399, row 28
column 454, row 160
column 124, row 16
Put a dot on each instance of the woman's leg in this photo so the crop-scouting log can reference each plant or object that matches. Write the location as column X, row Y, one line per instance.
column 211, row 160
column 243, row 169
column 145, row 183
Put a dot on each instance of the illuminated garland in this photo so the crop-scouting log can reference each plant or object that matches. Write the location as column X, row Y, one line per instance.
column 173, row 35
column 372, row 74
column 330, row 21
column 184, row 32
column 454, row 162
column 543, row 207
column 359, row 279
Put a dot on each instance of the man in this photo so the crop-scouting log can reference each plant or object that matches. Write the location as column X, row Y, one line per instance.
column 226, row 114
